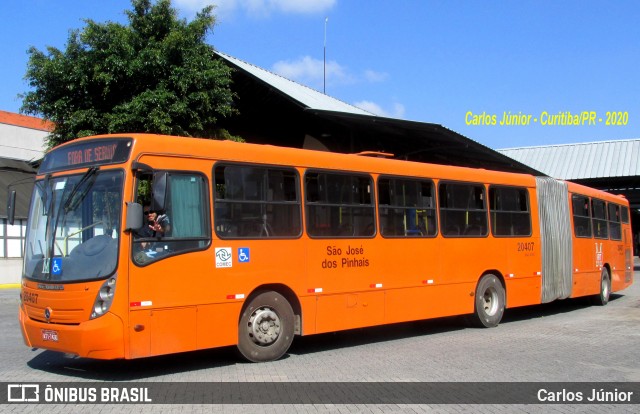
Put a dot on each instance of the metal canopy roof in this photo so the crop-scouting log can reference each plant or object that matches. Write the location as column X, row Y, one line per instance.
column 612, row 166
column 419, row 141
column 277, row 111
column 584, row 160
column 306, row 96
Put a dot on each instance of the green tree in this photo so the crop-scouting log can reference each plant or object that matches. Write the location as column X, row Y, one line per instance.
column 155, row 75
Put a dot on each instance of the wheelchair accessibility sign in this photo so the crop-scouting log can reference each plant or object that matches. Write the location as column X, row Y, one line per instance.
column 243, row 255
column 56, row 266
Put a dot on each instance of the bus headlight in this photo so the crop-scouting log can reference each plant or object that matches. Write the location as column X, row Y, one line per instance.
column 104, row 298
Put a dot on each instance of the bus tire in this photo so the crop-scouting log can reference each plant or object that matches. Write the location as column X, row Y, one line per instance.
column 602, row 298
column 489, row 302
column 266, row 326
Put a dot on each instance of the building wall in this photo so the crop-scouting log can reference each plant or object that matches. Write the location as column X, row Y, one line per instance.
column 10, row 271
column 11, row 250
column 20, row 143
column 21, row 138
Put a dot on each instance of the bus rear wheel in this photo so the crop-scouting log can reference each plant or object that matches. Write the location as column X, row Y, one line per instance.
column 489, row 302
column 605, row 289
column 265, row 330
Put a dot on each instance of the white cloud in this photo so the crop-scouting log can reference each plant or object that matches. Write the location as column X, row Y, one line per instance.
column 296, row 6
column 397, row 110
column 373, row 76
column 195, row 5
column 311, row 72
column 258, row 7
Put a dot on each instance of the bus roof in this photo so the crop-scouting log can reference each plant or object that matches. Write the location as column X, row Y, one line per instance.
column 200, row 148
column 294, row 157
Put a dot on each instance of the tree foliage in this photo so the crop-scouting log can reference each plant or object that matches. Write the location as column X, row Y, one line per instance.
column 155, row 74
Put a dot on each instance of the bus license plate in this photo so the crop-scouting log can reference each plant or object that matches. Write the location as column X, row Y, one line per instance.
column 48, row 335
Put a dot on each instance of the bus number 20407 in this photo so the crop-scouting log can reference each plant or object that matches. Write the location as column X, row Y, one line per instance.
column 526, row 247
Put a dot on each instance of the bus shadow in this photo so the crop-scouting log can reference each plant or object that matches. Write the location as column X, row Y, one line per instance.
column 553, row 308
column 363, row 336
column 132, row 370
column 148, row 368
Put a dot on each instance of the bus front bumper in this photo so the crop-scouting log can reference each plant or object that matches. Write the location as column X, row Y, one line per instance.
column 101, row 338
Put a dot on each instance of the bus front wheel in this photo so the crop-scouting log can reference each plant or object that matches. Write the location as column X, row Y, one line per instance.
column 489, row 302
column 266, row 326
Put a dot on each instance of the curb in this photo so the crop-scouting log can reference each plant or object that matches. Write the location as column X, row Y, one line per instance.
column 10, row 286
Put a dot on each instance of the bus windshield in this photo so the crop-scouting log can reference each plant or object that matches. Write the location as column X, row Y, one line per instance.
column 74, row 222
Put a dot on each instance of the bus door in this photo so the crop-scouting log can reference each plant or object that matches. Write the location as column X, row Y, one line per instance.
column 171, row 277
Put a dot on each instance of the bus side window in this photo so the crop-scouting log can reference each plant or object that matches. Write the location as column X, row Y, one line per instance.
column 406, row 208
column 463, row 211
column 581, row 215
column 339, row 205
column 256, row 202
column 510, row 215
column 185, row 219
column 599, row 219
column 625, row 214
column 615, row 228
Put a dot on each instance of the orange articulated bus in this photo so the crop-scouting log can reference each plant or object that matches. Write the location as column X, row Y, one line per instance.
column 140, row 245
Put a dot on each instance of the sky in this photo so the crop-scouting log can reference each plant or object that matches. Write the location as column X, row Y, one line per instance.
column 562, row 71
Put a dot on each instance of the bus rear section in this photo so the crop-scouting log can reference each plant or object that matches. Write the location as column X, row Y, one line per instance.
column 603, row 257
column 584, row 248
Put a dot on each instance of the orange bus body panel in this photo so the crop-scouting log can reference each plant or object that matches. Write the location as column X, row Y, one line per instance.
column 591, row 255
column 100, row 338
column 184, row 302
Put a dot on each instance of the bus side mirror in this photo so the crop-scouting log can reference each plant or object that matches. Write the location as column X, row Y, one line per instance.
column 159, row 191
column 134, row 217
column 11, row 207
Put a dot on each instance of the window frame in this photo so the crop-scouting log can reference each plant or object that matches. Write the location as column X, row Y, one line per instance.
column 600, row 220
column 587, row 219
column 613, row 224
column 442, row 210
column 417, row 181
column 5, row 237
column 624, row 211
column 511, row 213
column 206, row 214
column 266, row 167
column 353, row 174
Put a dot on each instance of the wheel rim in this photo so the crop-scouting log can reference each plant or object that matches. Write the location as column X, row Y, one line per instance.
column 605, row 287
column 264, row 326
column 490, row 301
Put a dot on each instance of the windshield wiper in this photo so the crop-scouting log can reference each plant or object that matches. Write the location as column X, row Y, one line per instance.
column 47, row 194
column 75, row 197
